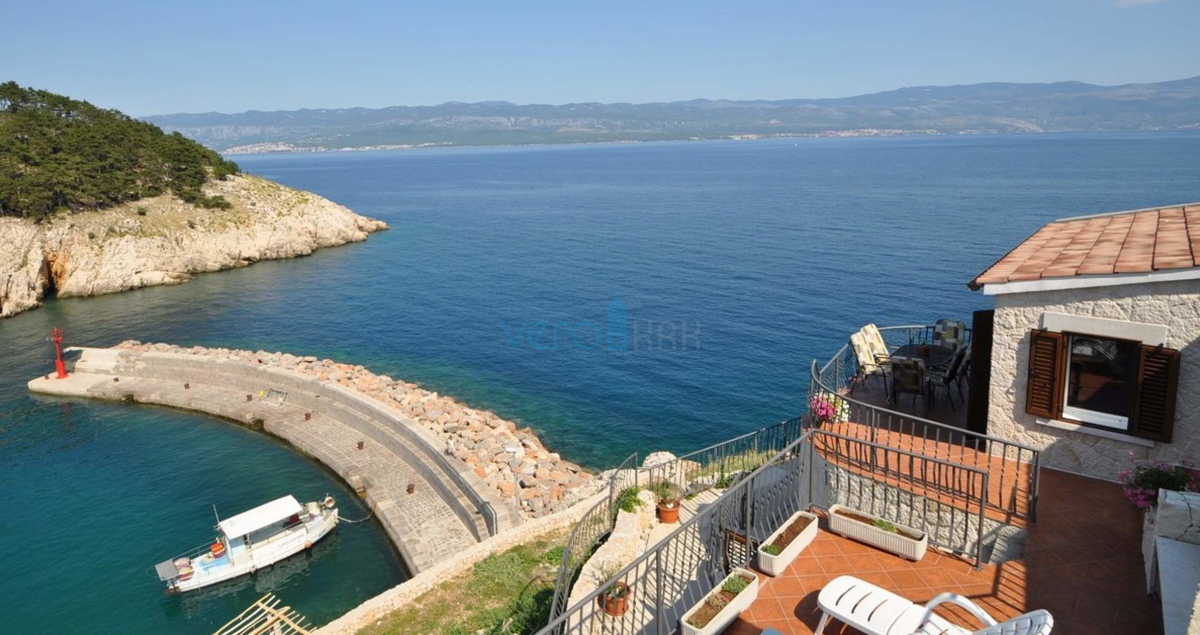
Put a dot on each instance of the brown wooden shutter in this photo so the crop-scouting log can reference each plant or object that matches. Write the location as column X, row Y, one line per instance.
column 1154, row 401
column 1047, row 369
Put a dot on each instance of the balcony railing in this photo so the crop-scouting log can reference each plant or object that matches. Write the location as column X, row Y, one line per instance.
column 1014, row 467
column 590, row 531
column 817, row 469
column 678, row 572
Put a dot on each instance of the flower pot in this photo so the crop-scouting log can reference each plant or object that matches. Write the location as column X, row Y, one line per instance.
column 774, row 565
column 726, row 615
column 616, row 604
column 668, row 511
column 904, row 544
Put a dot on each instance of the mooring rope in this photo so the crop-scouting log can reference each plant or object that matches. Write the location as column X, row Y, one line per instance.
column 355, row 522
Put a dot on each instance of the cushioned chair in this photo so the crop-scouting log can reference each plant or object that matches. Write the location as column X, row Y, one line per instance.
column 867, row 366
column 876, row 611
column 875, row 343
column 908, row 378
column 949, row 375
column 949, row 334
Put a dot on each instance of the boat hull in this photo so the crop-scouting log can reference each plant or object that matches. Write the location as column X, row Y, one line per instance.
column 243, row 560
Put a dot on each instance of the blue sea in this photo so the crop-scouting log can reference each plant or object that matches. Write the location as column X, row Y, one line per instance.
column 616, row 298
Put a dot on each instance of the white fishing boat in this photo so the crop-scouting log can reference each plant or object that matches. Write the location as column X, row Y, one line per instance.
column 250, row 541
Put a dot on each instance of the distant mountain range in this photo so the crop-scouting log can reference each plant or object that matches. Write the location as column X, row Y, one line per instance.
column 976, row 108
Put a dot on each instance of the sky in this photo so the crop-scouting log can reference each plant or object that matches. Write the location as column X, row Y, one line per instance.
column 150, row 57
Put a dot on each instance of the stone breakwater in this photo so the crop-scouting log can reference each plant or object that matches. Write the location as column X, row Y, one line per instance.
column 511, row 460
column 164, row 240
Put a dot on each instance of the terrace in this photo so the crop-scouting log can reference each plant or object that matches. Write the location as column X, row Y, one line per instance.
column 1002, row 532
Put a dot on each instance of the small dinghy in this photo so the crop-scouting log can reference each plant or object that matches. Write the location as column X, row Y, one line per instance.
column 250, row 541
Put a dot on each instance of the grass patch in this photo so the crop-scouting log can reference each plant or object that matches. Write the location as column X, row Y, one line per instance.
column 504, row 594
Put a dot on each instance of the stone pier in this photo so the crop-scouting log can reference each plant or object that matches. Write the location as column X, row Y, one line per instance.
column 431, row 503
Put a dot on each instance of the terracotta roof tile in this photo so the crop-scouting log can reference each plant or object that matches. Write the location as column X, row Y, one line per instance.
column 1125, row 242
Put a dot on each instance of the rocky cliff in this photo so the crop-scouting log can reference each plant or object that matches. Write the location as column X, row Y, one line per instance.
column 163, row 240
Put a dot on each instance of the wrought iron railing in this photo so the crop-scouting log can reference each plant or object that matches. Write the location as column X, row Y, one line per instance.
column 1014, row 467
column 945, row 500
column 590, row 530
column 815, row 470
column 678, row 572
column 721, row 465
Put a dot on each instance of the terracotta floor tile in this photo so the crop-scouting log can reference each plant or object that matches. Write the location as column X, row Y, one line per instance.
column 864, row 563
column 908, row 579
column 806, row 566
column 814, row 583
column 787, row 586
column 888, row 562
column 1082, row 562
column 836, row 565
column 824, row 548
column 742, row 626
column 765, row 609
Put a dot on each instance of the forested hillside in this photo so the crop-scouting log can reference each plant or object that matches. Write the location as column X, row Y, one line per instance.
column 59, row 154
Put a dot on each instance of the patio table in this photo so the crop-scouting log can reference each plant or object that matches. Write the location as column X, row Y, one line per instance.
column 933, row 356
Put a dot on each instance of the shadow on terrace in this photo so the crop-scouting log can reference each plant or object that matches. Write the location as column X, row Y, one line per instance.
column 974, row 497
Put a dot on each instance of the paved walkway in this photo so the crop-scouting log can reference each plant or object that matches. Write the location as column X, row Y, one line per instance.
column 434, row 522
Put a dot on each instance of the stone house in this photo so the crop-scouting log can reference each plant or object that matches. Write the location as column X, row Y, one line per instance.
column 1095, row 340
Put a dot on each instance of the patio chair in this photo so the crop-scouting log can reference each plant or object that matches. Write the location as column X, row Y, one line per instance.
column 875, row 343
column 908, row 377
column 949, row 334
column 867, row 366
column 949, row 375
column 876, row 611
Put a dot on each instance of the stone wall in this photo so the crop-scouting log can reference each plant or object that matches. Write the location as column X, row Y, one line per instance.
column 397, row 597
column 511, row 460
column 1173, row 304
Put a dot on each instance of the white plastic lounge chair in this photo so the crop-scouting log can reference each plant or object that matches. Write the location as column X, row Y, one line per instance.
column 875, row 611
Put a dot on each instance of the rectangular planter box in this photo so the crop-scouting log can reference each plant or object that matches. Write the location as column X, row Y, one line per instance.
column 725, row 617
column 900, row 545
column 775, row 565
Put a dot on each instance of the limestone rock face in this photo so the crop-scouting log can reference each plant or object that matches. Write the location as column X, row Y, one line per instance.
column 163, row 240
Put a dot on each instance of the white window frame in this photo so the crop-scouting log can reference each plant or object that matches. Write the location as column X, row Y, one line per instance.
column 1083, row 415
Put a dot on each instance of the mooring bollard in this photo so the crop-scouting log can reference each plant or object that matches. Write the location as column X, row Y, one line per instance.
column 360, row 445
column 411, row 488
column 249, row 398
column 116, row 379
column 187, row 386
column 308, row 416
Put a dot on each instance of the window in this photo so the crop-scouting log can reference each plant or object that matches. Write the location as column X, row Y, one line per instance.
column 1100, row 380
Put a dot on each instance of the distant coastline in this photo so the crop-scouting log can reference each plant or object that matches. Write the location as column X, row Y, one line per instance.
column 987, row 108
column 283, row 148
column 287, row 148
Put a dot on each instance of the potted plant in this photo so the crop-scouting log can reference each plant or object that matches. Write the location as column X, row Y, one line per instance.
column 905, row 542
column 783, row 546
column 722, row 605
column 1141, row 482
column 668, row 502
column 616, row 598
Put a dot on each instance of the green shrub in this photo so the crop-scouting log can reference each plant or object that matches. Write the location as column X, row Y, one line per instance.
column 628, row 501
column 664, row 490
column 771, row 549
column 886, row 526
column 142, row 209
column 735, row 585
